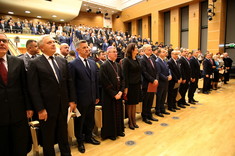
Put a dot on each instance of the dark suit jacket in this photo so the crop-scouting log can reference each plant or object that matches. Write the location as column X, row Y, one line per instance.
column 46, row 92
column 195, row 68
column 154, row 57
column 149, row 73
column 14, row 96
column 78, row 34
column 86, row 83
column 164, row 72
column 185, row 68
column 207, row 67
column 175, row 71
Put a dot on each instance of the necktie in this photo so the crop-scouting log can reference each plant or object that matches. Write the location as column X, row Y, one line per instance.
column 57, row 70
column 33, row 56
column 151, row 62
column 3, row 71
column 87, row 67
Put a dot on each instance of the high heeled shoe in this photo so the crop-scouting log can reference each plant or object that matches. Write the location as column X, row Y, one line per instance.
column 131, row 127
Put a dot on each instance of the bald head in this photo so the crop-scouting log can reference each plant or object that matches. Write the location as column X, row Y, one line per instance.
column 64, row 49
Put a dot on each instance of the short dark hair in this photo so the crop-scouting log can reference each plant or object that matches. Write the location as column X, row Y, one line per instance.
column 129, row 49
column 100, row 52
column 30, row 41
column 72, row 53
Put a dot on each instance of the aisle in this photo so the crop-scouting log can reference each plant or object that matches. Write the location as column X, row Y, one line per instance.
column 204, row 129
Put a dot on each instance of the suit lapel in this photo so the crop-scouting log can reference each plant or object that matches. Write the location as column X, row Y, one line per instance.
column 45, row 62
column 83, row 66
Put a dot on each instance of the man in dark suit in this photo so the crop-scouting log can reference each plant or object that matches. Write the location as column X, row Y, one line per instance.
column 14, row 103
column 32, row 52
column 164, row 77
column 93, row 40
column 174, row 82
column 185, row 70
column 150, row 75
column 207, row 73
column 155, row 53
column 84, row 73
column 195, row 75
column 52, row 92
column 227, row 64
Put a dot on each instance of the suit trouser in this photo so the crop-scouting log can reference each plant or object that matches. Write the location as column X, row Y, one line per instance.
column 161, row 98
column 85, row 123
column 55, row 130
column 206, row 84
column 147, row 104
column 226, row 76
column 172, row 93
column 183, row 90
column 14, row 139
column 192, row 88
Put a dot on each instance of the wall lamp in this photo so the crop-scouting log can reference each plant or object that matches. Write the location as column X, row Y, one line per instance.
column 211, row 10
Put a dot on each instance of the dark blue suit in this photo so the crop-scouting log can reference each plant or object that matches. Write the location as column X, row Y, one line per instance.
column 195, row 74
column 86, row 86
column 164, row 72
column 207, row 70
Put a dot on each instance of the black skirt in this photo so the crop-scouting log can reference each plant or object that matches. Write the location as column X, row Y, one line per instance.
column 134, row 94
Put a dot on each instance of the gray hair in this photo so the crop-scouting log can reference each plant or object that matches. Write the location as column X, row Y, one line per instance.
column 41, row 39
column 194, row 50
column 145, row 46
column 77, row 44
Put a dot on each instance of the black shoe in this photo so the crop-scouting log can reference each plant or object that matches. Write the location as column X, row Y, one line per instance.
column 195, row 100
column 81, row 147
column 112, row 138
column 132, row 127
column 121, row 134
column 191, row 101
column 205, row 92
column 92, row 141
column 186, row 104
column 172, row 109
column 136, row 126
column 159, row 114
column 153, row 119
column 176, row 108
column 167, row 113
column 181, row 106
column 147, row 121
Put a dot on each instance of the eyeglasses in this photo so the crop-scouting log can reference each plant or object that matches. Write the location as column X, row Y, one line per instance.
column 3, row 40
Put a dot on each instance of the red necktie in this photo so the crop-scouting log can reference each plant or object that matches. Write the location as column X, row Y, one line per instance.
column 3, row 71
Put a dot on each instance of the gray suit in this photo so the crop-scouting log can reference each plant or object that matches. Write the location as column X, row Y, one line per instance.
column 26, row 59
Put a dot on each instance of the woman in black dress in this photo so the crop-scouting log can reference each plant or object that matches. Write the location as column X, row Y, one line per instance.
column 132, row 76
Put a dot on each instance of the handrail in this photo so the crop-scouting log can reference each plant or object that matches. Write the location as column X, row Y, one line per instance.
column 13, row 49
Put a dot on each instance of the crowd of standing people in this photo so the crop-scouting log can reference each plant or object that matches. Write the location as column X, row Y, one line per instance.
column 123, row 68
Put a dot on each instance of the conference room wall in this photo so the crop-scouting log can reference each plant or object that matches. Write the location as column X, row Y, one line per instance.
column 155, row 9
column 88, row 19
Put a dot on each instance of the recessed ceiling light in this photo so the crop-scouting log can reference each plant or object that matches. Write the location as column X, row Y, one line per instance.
column 61, row 20
column 84, row 4
column 27, row 12
column 10, row 12
column 54, row 16
column 39, row 16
